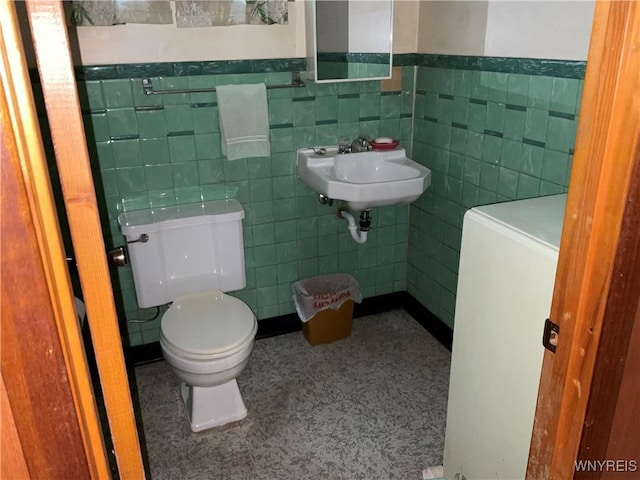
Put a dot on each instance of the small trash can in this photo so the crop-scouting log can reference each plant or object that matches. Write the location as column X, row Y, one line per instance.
column 325, row 306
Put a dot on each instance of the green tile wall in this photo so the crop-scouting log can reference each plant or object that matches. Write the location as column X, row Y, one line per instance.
column 490, row 129
column 150, row 151
column 487, row 136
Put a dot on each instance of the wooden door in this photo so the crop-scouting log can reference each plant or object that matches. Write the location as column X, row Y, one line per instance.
column 51, row 418
column 597, row 243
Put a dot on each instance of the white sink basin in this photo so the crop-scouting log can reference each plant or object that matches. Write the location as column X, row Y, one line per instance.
column 366, row 179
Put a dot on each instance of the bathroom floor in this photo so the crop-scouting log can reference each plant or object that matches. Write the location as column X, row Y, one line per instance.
column 371, row 406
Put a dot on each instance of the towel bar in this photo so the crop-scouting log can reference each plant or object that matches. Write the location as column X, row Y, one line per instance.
column 147, row 86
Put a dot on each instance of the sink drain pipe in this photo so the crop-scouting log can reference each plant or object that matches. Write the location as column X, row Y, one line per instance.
column 359, row 234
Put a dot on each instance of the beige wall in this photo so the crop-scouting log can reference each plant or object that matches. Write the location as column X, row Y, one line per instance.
column 166, row 43
column 529, row 29
column 533, row 29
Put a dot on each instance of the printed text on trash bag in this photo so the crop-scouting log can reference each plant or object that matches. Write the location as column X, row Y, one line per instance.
column 326, row 299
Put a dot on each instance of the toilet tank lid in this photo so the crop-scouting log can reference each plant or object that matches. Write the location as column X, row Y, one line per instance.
column 154, row 219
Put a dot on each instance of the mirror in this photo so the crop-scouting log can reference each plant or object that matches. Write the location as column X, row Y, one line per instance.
column 349, row 40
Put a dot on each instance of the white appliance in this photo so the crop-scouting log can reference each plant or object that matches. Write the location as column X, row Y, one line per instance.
column 505, row 284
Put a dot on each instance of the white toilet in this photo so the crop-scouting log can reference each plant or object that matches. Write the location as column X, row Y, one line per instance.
column 189, row 255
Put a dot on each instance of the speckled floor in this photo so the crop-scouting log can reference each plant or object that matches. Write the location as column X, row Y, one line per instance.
column 372, row 406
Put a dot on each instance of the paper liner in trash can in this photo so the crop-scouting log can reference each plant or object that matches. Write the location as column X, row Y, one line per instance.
column 326, row 291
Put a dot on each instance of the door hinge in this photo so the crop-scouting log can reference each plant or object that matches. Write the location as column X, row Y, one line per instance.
column 550, row 335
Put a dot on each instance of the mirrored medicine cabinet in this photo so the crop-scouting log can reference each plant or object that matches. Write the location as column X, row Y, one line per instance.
column 349, row 40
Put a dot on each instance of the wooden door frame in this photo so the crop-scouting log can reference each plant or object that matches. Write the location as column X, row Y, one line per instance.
column 606, row 154
column 80, row 452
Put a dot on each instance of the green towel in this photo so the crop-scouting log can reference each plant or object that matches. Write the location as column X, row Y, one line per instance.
column 244, row 121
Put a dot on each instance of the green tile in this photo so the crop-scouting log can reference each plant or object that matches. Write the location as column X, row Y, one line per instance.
column 304, row 137
column 265, row 255
column 259, row 167
column 496, row 84
column 477, row 117
column 564, row 95
column 495, row 116
column 478, row 89
column 182, row 149
column 489, row 175
column 528, row 186
column 151, row 123
column 126, row 153
column 514, row 124
column 307, row 228
column 518, row 89
column 444, row 110
column 266, row 276
column 327, row 108
column 130, row 180
column 211, row 171
column 281, row 111
column 511, row 154
column 287, row 272
column 97, row 127
column 508, row 183
column 327, row 134
column 117, row 93
column 122, row 122
column 535, row 125
column 158, row 177
column 458, row 140
column 281, row 140
column 178, row 118
column 369, row 105
column 185, row 174
column 304, row 113
column 186, row 195
column 92, row 94
column 283, row 187
column 261, row 189
column 207, row 145
column 285, row 231
column 205, row 120
column 471, row 172
column 460, row 110
column 540, row 92
column 462, row 83
column 469, row 195
column 162, row 198
column 154, row 151
column 263, row 212
column 548, row 188
column 284, row 209
column 348, row 109
column 491, row 149
column 561, row 134
column 532, row 157
column 475, row 143
column 308, row 268
column 390, row 106
column 283, row 164
column 267, row 296
column 554, row 167
column 109, row 183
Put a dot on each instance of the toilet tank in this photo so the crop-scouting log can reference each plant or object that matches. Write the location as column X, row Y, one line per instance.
column 187, row 249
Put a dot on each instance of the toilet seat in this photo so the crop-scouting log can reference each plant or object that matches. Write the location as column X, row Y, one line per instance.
column 207, row 325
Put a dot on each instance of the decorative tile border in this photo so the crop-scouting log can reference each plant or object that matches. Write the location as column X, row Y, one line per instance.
column 527, row 66
column 530, row 66
column 180, row 69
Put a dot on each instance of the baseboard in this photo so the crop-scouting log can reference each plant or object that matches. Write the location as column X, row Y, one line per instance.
column 270, row 327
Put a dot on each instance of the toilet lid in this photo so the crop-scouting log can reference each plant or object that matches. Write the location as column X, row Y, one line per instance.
column 208, row 323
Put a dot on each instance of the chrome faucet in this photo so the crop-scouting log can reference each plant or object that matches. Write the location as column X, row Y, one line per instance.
column 360, row 144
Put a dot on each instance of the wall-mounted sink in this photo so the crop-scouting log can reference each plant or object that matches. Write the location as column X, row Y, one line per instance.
column 364, row 180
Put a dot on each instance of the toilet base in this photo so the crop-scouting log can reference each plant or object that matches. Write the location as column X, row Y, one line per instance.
column 209, row 407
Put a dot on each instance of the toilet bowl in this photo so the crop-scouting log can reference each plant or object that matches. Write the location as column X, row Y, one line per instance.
column 207, row 339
